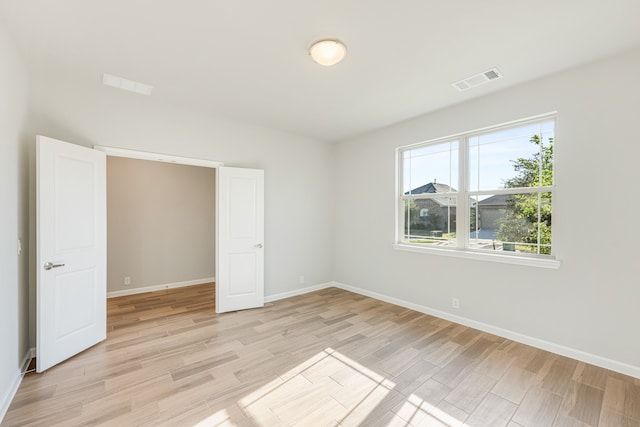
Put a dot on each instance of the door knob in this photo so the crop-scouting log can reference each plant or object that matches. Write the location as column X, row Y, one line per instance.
column 50, row 265
column 259, row 246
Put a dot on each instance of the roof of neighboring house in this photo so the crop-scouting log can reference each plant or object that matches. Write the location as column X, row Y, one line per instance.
column 432, row 187
column 499, row 200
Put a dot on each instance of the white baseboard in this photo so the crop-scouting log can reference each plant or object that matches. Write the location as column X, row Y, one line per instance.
column 141, row 290
column 562, row 350
column 13, row 389
column 283, row 295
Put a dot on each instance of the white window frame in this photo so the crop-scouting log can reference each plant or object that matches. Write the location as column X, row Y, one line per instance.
column 462, row 249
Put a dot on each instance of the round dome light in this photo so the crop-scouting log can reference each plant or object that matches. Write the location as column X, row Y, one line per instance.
column 328, row 52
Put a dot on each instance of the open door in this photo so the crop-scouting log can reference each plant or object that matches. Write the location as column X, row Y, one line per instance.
column 240, row 239
column 71, row 250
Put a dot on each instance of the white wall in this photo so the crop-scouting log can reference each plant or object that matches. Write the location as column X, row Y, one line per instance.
column 160, row 224
column 298, row 171
column 591, row 303
column 14, row 179
column 330, row 209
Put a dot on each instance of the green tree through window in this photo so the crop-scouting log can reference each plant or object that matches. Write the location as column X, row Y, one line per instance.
column 528, row 216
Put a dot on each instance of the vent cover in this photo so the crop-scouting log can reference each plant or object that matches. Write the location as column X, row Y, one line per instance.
column 126, row 84
column 477, row 79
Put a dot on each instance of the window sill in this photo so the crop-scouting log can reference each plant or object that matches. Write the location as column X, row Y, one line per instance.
column 480, row 256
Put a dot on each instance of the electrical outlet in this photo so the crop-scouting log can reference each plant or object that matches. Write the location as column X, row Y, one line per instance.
column 455, row 302
column 127, row 281
column 302, row 280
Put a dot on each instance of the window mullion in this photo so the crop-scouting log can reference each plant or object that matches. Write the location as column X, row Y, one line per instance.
column 407, row 218
column 539, row 219
column 404, row 217
column 462, row 198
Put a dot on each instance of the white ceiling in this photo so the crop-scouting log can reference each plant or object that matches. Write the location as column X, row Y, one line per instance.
column 247, row 60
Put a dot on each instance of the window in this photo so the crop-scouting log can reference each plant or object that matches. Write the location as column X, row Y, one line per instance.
column 484, row 191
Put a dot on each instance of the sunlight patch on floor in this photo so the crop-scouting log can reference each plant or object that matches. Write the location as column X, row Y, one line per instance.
column 332, row 389
column 220, row 418
column 417, row 411
column 328, row 388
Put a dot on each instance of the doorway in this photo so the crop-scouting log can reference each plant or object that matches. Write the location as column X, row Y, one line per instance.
column 71, row 243
column 160, row 225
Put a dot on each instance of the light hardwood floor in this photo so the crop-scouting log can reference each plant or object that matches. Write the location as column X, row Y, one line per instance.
column 330, row 357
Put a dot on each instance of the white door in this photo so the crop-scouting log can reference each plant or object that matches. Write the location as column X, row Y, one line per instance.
column 240, row 238
column 71, row 252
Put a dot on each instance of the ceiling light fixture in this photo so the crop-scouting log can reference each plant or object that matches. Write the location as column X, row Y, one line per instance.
column 328, row 52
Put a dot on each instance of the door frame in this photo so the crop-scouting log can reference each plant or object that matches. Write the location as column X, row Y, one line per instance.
column 167, row 158
column 158, row 157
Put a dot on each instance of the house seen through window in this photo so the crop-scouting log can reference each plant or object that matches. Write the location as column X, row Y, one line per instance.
column 481, row 191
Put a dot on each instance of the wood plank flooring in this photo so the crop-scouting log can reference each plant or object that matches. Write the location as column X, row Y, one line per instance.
column 330, row 357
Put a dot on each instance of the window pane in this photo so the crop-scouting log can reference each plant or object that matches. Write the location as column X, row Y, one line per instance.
column 514, row 223
column 510, row 158
column 431, row 169
column 547, row 157
column 430, row 221
column 545, row 223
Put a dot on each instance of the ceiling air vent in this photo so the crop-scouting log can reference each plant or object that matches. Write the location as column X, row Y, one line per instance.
column 126, row 84
column 477, row 79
